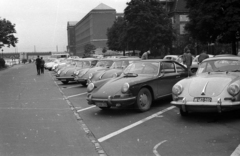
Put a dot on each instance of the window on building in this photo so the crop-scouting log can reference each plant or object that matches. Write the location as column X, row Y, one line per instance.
column 182, row 29
column 184, row 18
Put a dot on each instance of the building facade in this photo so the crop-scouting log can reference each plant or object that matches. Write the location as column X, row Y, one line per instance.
column 92, row 29
column 71, row 47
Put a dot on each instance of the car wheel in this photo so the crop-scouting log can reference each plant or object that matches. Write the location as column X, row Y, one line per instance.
column 183, row 113
column 194, row 70
column 144, row 100
column 65, row 82
column 84, row 84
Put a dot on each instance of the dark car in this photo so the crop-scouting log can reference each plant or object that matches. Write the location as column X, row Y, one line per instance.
column 114, row 71
column 68, row 74
column 140, row 84
column 82, row 75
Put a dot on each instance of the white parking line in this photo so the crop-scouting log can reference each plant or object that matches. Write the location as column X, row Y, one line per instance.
column 80, row 110
column 65, row 87
column 134, row 124
column 75, row 95
column 156, row 146
column 236, row 152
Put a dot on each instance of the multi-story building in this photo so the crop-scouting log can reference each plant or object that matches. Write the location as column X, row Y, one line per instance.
column 93, row 28
column 71, row 47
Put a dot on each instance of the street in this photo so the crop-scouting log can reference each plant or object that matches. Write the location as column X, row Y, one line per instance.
column 41, row 116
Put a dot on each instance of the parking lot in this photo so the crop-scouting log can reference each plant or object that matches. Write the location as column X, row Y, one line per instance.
column 160, row 131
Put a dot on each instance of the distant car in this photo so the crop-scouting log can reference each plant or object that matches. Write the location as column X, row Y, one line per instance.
column 195, row 63
column 141, row 83
column 115, row 70
column 214, row 88
column 82, row 75
column 67, row 74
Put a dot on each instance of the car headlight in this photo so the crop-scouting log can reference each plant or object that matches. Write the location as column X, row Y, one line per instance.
column 90, row 76
column 114, row 75
column 233, row 89
column 90, row 87
column 125, row 87
column 177, row 89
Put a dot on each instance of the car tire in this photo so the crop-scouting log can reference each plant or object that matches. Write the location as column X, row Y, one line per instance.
column 84, row 84
column 144, row 100
column 194, row 70
column 183, row 113
column 65, row 82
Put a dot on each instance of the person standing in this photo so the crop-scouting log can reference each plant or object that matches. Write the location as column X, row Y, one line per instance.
column 145, row 55
column 187, row 59
column 42, row 65
column 38, row 65
column 202, row 56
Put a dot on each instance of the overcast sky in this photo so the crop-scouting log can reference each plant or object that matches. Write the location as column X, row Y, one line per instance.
column 43, row 23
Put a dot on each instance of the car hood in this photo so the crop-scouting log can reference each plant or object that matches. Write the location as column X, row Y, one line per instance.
column 107, row 89
column 210, row 85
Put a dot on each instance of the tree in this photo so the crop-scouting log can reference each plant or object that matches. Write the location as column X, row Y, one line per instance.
column 88, row 49
column 7, row 30
column 148, row 25
column 214, row 21
column 116, row 35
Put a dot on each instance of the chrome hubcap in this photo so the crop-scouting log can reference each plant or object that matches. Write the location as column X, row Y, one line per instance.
column 143, row 100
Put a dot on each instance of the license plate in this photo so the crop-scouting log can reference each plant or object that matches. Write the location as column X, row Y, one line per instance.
column 202, row 99
column 101, row 104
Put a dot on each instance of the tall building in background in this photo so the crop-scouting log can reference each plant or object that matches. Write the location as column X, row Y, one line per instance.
column 93, row 28
column 71, row 47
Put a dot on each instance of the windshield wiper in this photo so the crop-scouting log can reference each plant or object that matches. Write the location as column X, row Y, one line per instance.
column 130, row 74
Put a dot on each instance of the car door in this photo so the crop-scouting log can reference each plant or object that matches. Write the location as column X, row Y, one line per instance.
column 168, row 78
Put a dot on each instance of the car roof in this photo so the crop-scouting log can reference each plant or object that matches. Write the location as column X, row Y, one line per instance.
column 233, row 57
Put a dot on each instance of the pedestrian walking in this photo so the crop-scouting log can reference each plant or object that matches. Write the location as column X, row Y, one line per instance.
column 42, row 65
column 187, row 60
column 202, row 56
column 38, row 65
column 145, row 55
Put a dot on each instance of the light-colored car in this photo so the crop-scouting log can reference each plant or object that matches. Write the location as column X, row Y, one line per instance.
column 195, row 63
column 214, row 88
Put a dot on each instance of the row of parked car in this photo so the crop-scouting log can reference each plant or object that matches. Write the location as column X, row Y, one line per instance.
column 122, row 82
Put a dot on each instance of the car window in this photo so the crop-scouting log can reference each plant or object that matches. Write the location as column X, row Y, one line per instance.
column 148, row 68
column 219, row 66
column 167, row 67
column 180, row 69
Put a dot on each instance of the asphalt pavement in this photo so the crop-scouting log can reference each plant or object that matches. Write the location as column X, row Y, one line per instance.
column 35, row 118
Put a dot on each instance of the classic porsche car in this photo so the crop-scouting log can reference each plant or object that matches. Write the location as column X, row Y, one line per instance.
column 140, row 83
column 215, row 87
column 115, row 70
column 82, row 75
column 67, row 74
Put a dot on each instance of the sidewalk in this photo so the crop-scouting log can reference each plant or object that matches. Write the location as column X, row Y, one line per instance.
column 35, row 119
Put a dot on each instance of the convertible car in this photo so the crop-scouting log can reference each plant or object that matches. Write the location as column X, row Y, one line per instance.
column 115, row 70
column 214, row 88
column 139, row 84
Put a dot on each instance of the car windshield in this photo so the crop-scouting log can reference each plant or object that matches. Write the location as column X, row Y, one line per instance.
column 86, row 64
column 221, row 65
column 104, row 63
column 147, row 68
column 119, row 64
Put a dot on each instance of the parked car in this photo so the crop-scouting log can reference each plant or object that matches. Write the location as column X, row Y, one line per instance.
column 115, row 70
column 67, row 74
column 82, row 75
column 214, row 88
column 195, row 63
column 141, row 83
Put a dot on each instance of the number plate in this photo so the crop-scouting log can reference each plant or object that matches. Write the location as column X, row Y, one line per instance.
column 202, row 99
column 101, row 104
